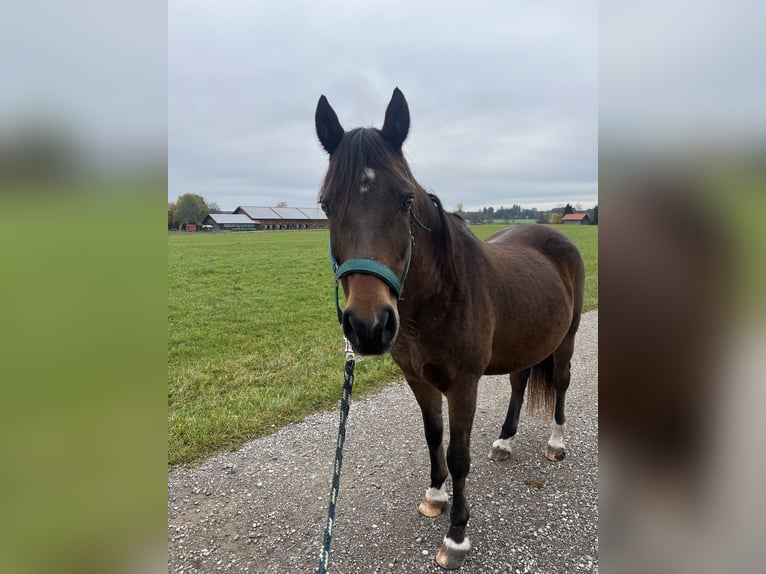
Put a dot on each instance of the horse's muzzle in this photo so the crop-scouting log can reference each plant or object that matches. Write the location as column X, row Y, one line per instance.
column 372, row 335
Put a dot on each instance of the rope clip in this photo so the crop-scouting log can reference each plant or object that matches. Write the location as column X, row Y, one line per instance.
column 350, row 354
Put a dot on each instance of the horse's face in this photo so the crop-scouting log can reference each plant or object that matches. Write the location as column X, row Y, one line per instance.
column 367, row 195
column 374, row 226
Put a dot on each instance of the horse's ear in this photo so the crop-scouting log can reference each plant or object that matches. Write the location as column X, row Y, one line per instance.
column 397, row 122
column 328, row 127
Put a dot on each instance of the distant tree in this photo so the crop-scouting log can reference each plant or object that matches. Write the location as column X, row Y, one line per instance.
column 459, row 210
column 595, row 215
column 529, row 213
column 568, row 209
column 555, row 218
column 212, row 207
column 474, row 217
column 281, row 204
column 543, row 217
column 171, row 210
column 190, row 208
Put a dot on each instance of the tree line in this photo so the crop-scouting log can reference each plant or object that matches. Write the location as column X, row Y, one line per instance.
column 189, row 208
column 192, row 208
column 516, row 212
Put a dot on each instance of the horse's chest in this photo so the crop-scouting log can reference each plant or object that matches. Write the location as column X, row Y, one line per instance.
column 425, row 371
column 437, row 358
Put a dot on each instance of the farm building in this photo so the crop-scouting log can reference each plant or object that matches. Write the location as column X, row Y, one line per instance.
column 230, row 222
column 284, row 217
column 576, row 219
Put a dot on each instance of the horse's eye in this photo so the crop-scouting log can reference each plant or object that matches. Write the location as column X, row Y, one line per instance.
column 408, row 202
column 325, row 208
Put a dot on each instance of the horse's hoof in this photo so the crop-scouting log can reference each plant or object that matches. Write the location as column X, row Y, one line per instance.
column 501, row 450
column 432, row 509
column 497, row 454
column 555, row 453
column 451, row 556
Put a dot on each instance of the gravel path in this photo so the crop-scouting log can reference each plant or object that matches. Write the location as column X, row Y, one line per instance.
column 262, row 509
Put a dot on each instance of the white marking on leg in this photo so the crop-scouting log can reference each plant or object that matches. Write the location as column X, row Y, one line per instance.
column 557, row 435
column 452, row 545
column 437, row 494
column 503, row 444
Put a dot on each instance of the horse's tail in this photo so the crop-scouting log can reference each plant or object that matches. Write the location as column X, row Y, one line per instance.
column 541, row 397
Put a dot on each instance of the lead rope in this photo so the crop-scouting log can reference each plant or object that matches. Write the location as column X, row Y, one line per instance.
column 345, row 402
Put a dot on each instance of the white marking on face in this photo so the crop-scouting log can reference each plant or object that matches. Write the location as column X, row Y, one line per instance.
column 503, row 444
column 557, row 435
column 452, row 545
column 437, row 494
column 368, row 176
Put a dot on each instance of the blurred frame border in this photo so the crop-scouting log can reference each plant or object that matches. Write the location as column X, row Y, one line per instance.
column 682, row 144
column 83, row 189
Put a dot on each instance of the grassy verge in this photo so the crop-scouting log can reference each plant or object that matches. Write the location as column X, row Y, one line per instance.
column 253, row 343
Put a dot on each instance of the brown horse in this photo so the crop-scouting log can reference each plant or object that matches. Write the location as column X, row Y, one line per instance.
column 447, row 306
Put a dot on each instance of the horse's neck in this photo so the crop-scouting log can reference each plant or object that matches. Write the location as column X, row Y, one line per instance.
column 435, row 269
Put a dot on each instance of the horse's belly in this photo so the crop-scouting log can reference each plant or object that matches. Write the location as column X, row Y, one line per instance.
column 515, row 351
column 516, row 360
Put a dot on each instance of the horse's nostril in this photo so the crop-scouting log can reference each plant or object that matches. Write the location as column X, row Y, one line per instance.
column 348, row 328
column 390, row 325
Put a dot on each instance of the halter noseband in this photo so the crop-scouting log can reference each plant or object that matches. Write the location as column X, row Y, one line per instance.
column 375, row 268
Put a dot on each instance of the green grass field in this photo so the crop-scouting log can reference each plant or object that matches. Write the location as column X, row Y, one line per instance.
column 253, row 339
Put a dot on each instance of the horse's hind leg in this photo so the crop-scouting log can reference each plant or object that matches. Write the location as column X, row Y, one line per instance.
column 555, row 449
column 501, row 448
column 436, row 499
column 560, row 379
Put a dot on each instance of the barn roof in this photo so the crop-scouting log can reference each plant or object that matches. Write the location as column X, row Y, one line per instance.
column 238, row 218
column 313, row 212
column 257, row 212
column 574, row 217
column 289, row 213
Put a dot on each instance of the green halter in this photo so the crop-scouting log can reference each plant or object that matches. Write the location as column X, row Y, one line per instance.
column 375, row 268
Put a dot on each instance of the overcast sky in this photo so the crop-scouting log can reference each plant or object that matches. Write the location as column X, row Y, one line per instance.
column 502, row 96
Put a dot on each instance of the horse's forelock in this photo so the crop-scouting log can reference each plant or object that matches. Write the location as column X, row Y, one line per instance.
column 360, row 149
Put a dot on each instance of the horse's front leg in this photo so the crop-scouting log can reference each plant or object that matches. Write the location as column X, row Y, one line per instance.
column 462, row 406
column 429, row 398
